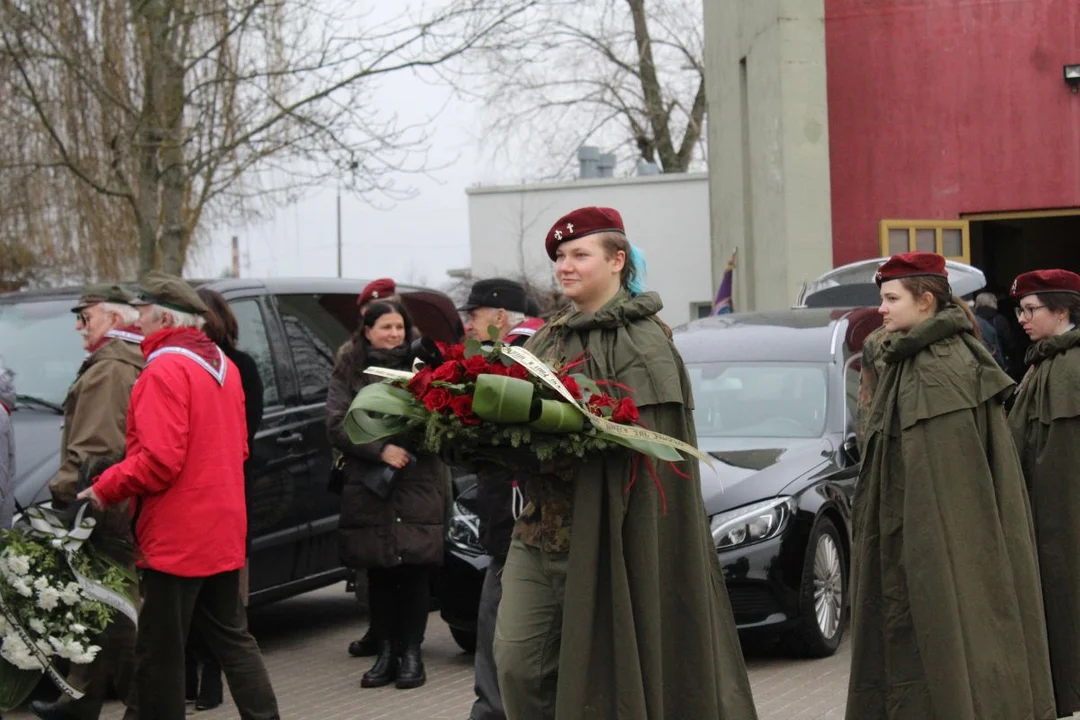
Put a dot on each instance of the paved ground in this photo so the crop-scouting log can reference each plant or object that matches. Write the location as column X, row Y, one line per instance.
column 304, row 641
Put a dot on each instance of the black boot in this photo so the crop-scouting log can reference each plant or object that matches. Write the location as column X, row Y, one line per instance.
column 382, row 673
column 365, row 646
column 411, row 672
column 210, row 688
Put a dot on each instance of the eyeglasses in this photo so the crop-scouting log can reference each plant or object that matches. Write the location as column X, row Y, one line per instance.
column 84, row 318
column 1026, row 313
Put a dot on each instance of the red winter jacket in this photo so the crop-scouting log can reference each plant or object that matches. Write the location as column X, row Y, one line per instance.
column 184, row 464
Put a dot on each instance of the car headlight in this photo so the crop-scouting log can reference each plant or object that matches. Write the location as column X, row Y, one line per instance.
column 463, row 530
column 751, row 523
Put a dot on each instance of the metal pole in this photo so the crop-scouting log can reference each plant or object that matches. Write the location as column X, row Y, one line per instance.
column 339, row 229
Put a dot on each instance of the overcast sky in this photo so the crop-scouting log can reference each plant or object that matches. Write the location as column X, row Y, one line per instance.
column 415, row 240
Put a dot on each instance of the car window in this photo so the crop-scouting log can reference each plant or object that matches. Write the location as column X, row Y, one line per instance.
column 39, row 344
column 252, row 340
column 759, row 400
column 314, row 335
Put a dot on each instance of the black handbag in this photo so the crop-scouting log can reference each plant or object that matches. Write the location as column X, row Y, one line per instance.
column 380, row 478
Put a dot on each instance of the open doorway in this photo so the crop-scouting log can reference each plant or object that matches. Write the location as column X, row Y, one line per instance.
column 1003, row 245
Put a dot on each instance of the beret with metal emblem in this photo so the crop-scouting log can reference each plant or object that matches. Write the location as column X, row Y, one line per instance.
column 101, row 293
column 169, row 291
column 376, row 290
column 497, row 293
column 1045, row 281
column 912, row 264
column 582, row 222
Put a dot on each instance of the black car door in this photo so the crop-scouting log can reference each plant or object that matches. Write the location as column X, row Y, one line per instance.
column 279, row 468
column 313, row 335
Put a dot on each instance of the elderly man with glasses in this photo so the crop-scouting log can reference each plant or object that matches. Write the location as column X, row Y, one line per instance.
column 95, row 413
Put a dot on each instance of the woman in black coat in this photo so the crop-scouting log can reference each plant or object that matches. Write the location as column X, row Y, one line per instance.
column 222, row 328
column 397, row 538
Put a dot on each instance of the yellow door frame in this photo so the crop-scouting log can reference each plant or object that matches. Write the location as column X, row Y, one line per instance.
column 1021, row 214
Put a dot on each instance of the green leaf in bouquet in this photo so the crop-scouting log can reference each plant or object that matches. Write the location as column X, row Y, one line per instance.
column 501, row 399
column 380, row 411
column 558, row 417
column 16, row 685
column 493, row 331
column 507, row 361
column 586, row 383
column 473, row 347
column 646, row 447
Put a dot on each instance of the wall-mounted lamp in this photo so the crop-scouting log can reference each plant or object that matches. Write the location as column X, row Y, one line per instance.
column 1072, row 77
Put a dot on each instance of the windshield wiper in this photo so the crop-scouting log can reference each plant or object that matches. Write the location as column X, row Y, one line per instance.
column 34, row 400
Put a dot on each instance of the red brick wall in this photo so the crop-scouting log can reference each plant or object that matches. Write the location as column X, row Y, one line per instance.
column 943, row 107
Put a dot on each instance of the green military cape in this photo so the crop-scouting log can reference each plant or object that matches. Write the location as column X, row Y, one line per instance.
column 947, row 606
column 1045, row 421
column 647, row 628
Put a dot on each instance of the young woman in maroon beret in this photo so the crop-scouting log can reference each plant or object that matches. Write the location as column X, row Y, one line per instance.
column 1045, row 421
column 614, row 604
column 946, row 601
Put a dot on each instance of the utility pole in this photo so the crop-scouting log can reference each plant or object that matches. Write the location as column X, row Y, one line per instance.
column 339, row 229
column 235, row 256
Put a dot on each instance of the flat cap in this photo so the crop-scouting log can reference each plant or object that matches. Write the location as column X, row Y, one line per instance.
column 582, row 222
column 376, row 290
column 169, row 291
column 497, row 293
column 1045, row 281
column 103, row 292
column 912, row 264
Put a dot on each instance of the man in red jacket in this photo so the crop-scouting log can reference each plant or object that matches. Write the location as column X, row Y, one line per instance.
column 184, row 472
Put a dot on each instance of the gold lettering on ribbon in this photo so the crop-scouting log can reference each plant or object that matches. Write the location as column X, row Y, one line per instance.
column 388, row 373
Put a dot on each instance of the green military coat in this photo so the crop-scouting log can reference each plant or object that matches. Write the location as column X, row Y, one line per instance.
column 947, row 608
column 647, row 628
column 1045, row 422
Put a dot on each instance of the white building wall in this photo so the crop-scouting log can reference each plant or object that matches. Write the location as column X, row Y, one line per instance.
column 667, row 216
column 768, row 145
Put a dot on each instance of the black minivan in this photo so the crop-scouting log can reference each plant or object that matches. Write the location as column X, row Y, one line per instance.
column 292, row 328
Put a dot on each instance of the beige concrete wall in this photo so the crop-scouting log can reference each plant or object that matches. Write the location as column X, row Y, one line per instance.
column 768, row 146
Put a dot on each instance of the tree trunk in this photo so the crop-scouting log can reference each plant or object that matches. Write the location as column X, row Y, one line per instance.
column 652, row 92
column 173, row 178
column 151, row 17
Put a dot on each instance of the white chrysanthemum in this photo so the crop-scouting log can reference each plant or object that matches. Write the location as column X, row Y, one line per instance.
column 70, row 595
column 19, row 564
column 78, row 629
column 69, row 617
column 20, row 586
column 87, row 657
column 38, row 626
column 48, row 599
column 41, row 583
column 15, row 651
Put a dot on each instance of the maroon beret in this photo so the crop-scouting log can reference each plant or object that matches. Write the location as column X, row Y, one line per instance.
column 376, row 290
column 1045, row 281
column 912, row 264
column 582, row 222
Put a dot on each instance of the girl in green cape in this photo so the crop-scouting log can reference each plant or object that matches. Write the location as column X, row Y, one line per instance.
column 613, row 607
column 947, row 608
column 1045, row 422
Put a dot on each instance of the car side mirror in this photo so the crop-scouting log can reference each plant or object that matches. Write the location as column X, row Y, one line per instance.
column 850, row 449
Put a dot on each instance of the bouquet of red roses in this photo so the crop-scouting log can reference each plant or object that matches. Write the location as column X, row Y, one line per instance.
column 502, row 404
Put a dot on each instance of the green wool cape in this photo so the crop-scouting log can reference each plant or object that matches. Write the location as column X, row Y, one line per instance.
column 1045, row 421
column 647, row 628
column 947, row 606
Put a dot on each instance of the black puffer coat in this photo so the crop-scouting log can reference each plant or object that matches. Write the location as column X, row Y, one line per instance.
column 407, row 528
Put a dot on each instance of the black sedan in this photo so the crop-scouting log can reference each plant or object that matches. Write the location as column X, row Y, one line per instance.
column 775, row 398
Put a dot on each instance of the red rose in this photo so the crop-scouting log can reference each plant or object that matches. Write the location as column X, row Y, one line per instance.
column 438, row 399
column 474, row 366
column 519, row 372
column 571, row 385
column 450, row 352
column 601, row 400
column 448, row 372
column 497, row 368
column 421, row 382
column 462, row 407
column 625, row 412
